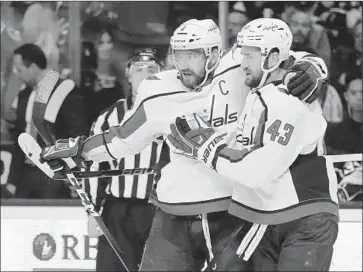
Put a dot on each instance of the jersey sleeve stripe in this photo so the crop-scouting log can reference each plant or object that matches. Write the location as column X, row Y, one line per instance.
column 258, row 141
column 233, row 155
column 128, row 128
column 150, row 98
column 135, row 122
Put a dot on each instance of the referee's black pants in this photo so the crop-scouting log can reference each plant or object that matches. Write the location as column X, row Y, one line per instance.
column 129, row 221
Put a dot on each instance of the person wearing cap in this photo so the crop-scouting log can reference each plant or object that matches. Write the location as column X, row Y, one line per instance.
column 123, row 200
column 237, row 18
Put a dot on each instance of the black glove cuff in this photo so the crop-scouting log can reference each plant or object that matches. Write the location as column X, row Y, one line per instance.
column 216, row 156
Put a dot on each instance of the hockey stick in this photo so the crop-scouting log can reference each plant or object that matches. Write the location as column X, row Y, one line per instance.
column 32, row 149
column 43, row 94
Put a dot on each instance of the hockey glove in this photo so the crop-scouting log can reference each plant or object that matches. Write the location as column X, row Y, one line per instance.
column 195, row 138
column 304, row 79
column 65, row 151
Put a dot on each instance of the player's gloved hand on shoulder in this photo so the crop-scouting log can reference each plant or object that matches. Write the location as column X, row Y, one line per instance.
column 192, row 137
column 304, row 79
column 65, row 151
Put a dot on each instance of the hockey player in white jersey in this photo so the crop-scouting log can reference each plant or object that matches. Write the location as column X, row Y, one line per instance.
column 204, row 82
column 283, row 183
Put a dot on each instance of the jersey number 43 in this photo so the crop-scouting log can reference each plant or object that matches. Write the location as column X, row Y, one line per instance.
column 276, row 131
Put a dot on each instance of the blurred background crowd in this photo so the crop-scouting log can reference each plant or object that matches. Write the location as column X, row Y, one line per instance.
column 108, row 33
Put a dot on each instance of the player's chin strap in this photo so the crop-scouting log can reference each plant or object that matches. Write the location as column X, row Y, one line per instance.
column 208, row 71
column 266, row 72
column 251, row 240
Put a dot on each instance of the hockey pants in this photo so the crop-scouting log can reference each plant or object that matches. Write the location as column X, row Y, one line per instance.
column 177, row 243
column 129, row 221
column 305, row 244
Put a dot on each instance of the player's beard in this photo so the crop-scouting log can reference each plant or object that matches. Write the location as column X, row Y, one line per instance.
column 253, row 81
column 191, row 81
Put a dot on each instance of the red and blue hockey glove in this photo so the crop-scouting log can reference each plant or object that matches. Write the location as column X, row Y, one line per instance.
column 195, row 138
column 65, row 150
column 304, row 79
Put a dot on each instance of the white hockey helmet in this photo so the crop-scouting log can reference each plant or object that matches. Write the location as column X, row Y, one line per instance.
column 198, row 34
column 267, row 34
column 194, row 34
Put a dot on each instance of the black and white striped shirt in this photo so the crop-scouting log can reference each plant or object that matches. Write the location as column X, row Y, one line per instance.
column 122, row 186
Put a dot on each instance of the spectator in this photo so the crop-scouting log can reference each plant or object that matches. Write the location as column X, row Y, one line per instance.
column 353, row 62
column 341, row 42
column 354, row 14
column 41, row 27
column 66, row 119
column 308, row 34
column 265, row 9
column 323, row 8
column 336, row 25
column 331, row 103
column 11, row 17
column 237, row 19
column 108, row 88
column 357, row 34
column 346, row 137
column 38, row 25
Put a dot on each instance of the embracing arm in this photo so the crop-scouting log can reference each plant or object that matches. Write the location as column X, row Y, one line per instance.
column 131, row 136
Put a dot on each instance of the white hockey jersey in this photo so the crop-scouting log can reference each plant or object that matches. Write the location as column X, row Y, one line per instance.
column 278, row 168
column 186, row 187
column 161, row 98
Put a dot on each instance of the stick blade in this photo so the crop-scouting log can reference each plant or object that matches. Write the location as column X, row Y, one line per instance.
column 32, row 150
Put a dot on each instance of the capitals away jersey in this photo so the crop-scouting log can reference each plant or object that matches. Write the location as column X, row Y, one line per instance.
column 186, row 186
column 278, row 164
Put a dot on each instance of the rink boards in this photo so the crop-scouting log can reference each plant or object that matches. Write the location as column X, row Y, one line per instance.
column 55, row 238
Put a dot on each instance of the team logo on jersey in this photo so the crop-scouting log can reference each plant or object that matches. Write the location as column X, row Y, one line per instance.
column 44, row 247
column 245, row 141
column 227, row 118
column 204, row 114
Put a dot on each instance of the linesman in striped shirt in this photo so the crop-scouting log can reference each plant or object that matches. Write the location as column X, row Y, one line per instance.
column 123, row 200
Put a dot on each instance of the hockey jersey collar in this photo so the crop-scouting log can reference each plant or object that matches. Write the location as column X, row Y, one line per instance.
column 263, row 88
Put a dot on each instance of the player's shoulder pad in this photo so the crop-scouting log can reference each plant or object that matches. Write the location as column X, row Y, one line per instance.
column 163, row 75
column 160, row 83
column 276, row 96
column 231, row 59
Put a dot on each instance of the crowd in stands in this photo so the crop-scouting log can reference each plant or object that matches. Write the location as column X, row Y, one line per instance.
column 111, row 31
